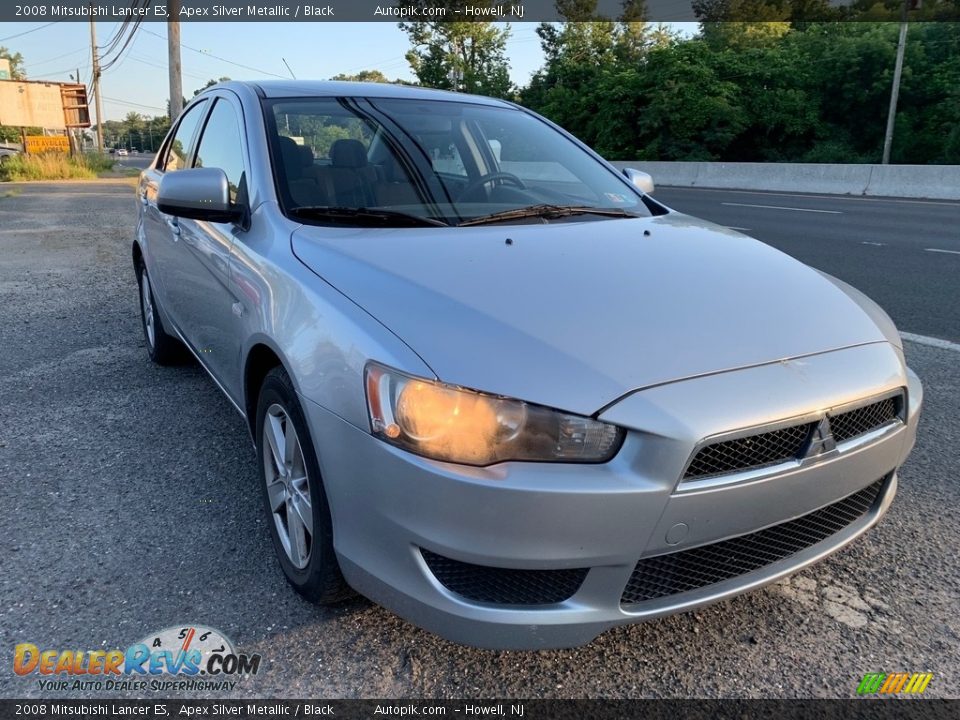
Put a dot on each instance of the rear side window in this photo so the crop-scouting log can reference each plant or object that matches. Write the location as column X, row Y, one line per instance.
column 182, row 142
column 220, row 145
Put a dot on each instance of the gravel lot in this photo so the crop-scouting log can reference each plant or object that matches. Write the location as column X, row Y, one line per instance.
column 130, row 504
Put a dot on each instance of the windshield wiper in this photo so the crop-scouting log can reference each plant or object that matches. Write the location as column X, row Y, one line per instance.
column 366, row 216
column 546, row 211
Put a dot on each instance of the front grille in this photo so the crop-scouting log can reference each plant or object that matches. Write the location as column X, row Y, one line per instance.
column 753, row 451
column 504, row 586
column 850, row 424
column 790, row 443
column 688, row 570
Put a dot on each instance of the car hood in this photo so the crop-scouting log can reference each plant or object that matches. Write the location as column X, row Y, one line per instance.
column 574, row 315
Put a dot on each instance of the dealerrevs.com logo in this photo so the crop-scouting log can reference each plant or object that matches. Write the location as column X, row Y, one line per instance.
column 196, row 657
column 894, row 683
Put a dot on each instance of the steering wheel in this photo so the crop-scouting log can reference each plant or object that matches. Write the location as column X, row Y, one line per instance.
column 488, row 178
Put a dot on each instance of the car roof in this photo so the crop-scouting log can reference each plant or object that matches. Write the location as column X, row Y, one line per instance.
column 335, row 88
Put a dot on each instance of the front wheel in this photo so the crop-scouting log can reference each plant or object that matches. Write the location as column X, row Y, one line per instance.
column 298, row 514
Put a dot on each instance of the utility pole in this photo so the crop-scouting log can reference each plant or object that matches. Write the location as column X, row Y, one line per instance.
column 895, row 90
column 96, row 82
column 173, row 60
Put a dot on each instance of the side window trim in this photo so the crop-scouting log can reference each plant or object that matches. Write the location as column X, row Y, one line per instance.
column 204, row 108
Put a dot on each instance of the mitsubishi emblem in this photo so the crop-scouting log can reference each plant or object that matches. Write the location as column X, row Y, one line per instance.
column 822, row 441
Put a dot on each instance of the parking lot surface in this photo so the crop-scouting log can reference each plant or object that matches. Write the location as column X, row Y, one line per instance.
column 131, row 504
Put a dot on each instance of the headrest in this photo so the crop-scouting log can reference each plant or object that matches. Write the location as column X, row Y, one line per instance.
column 307, row 155
column 293, row 155
column 348, row 154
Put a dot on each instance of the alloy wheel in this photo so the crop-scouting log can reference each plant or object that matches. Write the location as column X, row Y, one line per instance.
column 147, row 300
column 288, row 487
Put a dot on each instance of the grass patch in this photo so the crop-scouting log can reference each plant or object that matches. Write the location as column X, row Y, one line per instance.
column 54, row 166
column 99, row 162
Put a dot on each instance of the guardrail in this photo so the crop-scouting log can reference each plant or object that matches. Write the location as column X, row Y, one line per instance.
column 941, row 182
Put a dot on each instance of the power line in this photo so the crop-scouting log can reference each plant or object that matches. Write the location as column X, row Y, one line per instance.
column 217, row 57
column 27, row 32
column 108, row 46
column 56, row 57
column 58, row 72
column 135, row 58
column 131, row 32
column 115, row 101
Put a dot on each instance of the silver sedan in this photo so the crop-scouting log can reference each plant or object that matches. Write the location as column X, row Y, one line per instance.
column 492, row 383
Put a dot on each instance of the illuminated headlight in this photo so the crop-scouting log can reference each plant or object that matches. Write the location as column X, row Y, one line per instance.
column 448, row 423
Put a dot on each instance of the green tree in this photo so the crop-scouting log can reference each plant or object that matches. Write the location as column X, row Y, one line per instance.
column 808, row 91
column 374, row 76
column 210, row 83
column 675, row 107
column 464, row 56
column 16, row 63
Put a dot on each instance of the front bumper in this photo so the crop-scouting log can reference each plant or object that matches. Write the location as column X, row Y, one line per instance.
column 388, row 504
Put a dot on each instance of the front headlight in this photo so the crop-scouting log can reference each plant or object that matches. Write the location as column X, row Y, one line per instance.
column 448, row 423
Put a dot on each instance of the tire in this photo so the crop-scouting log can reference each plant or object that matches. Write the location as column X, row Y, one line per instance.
column 294, row 496
column 164, row 349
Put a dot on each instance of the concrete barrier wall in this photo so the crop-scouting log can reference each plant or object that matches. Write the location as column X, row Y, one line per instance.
column 940, row 182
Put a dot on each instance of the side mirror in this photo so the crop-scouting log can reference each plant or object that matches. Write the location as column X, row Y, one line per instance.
column 198, row 194
column 640, row 179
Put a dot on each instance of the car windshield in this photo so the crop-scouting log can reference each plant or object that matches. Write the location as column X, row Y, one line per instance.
column 431, row 162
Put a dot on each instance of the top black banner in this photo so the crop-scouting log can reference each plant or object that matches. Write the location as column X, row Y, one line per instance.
column 435, row 11
column 165, row 709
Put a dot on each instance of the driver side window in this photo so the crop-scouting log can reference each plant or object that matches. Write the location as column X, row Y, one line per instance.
column 221, row 146
column 180, row 146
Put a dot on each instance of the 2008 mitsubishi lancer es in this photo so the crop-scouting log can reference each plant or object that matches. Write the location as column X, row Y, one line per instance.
column 492, row 383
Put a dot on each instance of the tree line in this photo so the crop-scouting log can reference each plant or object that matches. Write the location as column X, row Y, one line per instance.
column 785, row 90
column 776, row 91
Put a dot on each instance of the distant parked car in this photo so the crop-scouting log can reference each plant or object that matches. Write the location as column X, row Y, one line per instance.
column 493, row 384
column 122, row 152
column 7, row 153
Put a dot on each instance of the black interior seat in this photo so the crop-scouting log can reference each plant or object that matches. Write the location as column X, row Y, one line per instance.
column 349, row 179
column 393, row 186
column 296, row 163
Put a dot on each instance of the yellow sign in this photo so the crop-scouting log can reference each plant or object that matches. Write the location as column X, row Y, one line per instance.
column 36, row 144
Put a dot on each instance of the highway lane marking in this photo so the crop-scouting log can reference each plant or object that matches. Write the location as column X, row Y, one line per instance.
column 781, row 207
column 931, row 341
column 868, row 242
column 860, row 198
column 951, row 252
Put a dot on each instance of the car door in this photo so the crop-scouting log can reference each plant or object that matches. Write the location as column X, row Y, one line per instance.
column 161, row 232
column 205, row 302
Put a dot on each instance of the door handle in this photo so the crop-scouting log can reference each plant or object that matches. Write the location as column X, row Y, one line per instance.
column 174, row 225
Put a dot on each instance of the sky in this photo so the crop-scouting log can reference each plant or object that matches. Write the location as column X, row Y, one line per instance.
column 139, row 81
column 241, row 51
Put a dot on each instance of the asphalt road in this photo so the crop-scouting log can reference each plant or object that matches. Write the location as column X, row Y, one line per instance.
column 905, row 254
column 139, row 161
column 131, row 504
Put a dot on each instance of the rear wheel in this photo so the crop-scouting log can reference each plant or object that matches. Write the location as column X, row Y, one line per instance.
column 164, row 349
column 298, row 514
